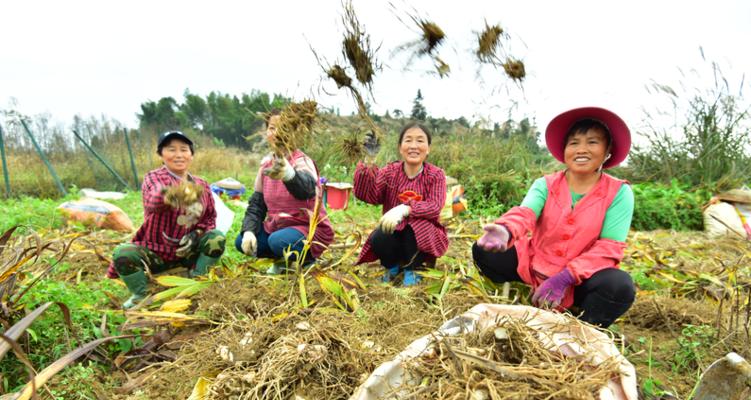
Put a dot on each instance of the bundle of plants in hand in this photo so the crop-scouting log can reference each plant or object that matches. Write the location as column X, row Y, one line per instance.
column 295, row 125
column 183, row 194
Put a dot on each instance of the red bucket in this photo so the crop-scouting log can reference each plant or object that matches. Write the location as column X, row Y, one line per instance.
column 337, row 195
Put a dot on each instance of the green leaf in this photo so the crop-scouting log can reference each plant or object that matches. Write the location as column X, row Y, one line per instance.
column 33, row 334
column 191, row 290
column 166, row 294
column 171, row 281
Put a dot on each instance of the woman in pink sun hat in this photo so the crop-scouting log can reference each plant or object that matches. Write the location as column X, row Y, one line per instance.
column 578, row 219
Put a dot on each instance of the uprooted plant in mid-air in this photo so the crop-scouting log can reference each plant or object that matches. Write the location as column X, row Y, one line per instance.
column 490, row 50
column 361, row 57
column 431, row 39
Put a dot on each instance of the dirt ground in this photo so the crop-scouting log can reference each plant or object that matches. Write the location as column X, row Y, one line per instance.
column 258, row 341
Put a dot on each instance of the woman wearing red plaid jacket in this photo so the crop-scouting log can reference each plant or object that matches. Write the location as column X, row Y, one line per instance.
column 412, row 193
column 171, row 235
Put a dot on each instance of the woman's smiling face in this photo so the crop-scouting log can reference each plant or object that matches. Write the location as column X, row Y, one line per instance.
column 177, row 156
column 586, row 151
column 414, row 147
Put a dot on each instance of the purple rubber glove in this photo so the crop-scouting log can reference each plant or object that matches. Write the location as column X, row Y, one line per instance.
column 495, row 239
column 552, row 291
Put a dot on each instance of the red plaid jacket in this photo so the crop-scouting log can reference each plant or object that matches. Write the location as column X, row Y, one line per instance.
column 160, row 219
column 425, row 194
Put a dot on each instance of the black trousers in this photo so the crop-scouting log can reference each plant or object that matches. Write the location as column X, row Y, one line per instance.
column 600, row 300
column 397, row 249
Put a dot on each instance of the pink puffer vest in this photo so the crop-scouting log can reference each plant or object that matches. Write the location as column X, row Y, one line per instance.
column 564, row 236
column 285, row 211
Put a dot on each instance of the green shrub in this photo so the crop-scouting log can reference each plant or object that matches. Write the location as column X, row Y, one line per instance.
column 708, row 144
column 496, row 172
column 668, row 206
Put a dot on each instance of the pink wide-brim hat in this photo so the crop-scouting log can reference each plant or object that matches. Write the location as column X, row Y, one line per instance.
column 620, row 136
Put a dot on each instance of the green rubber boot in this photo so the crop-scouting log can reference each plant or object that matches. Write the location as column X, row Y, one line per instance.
column 136, row 283
column 279, row 267
column 202, row 266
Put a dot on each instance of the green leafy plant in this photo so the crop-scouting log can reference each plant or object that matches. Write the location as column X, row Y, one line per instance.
column 651, row 387
column 693, row 345
column 668, row 206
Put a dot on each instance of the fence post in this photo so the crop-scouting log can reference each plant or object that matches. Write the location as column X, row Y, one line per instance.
column 5, row 163
column 132, row 161
column 98, row 157
column 88, row 160
column 59, row 183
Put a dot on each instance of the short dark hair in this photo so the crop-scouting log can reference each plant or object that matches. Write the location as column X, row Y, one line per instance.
column 160, row 147
column 411, row 125
column 583, row 125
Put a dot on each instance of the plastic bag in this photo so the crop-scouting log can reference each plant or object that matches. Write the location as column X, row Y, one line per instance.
column 93, row 212
column 224, row 216
column 721, row 219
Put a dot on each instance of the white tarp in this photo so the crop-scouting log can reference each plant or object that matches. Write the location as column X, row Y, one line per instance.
column 93, row 194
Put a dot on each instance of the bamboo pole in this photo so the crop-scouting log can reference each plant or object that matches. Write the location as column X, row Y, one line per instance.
column 5, row 163
column 57, row 180
column 132, row 160
column 98, row 157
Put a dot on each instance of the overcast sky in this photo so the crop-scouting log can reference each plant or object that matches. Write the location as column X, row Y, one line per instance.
column 104, row 57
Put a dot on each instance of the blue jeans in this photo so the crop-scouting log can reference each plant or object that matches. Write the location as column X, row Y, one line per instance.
column 273, row 245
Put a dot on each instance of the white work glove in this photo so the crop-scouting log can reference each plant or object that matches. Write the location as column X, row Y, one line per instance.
column 248, row 243
column 393, row 217
column 280, row 170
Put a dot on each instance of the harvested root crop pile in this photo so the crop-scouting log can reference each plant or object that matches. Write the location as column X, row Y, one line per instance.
column 508, row 361
column 267, row 347
column 307, row 357
column 295, row 125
